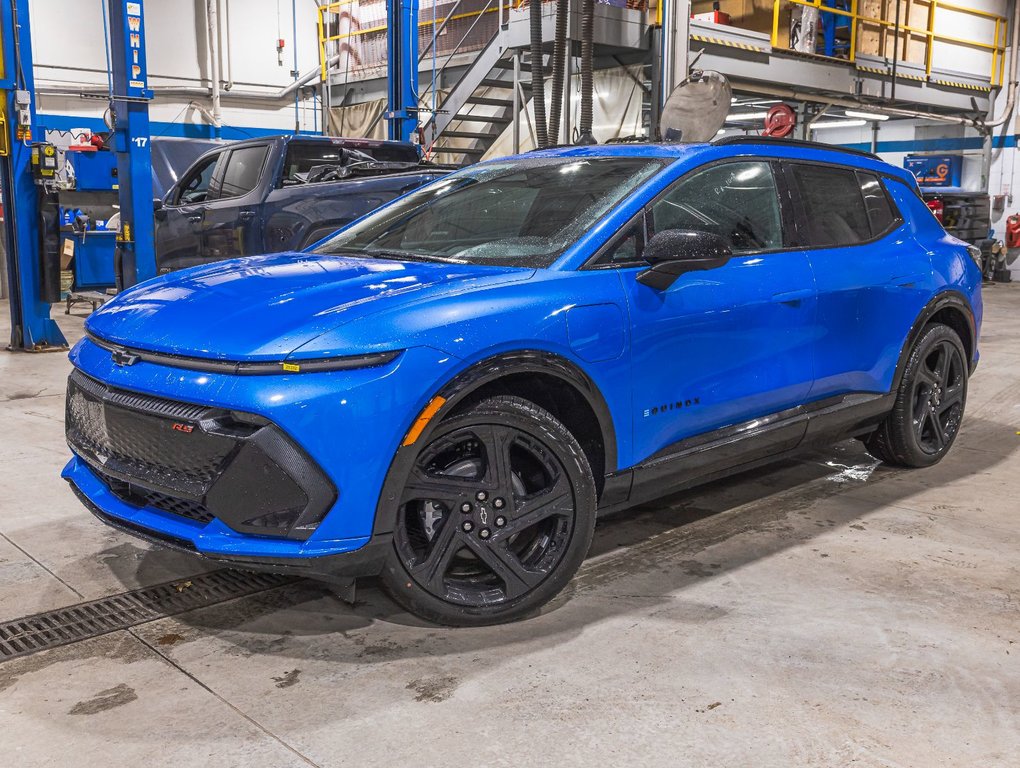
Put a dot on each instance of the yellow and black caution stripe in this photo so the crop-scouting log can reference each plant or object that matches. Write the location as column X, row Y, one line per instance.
column 728, row 43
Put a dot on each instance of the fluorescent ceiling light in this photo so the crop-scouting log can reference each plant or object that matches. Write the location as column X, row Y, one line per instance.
column 839, row 124
column 747, row 116
column 865, row 115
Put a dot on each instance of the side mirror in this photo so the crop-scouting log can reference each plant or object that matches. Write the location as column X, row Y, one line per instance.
column 157, row 204
column 674, row 252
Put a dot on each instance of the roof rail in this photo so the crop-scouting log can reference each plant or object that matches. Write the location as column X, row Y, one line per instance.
column 725, row 140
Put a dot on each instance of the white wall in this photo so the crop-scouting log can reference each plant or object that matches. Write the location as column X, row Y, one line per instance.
column 963, row 58
column 68, row 43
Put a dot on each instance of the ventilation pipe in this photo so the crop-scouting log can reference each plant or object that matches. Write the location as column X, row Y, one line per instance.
column 537, row 75
column 214, row 65
column 587, row 76
column 227, row 62
column 559, row 69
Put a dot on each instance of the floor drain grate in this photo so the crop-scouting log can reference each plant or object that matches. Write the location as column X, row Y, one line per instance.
column 74, row 623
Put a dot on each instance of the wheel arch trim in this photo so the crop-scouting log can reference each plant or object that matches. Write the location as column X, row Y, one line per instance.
column 948, row 299
column 473, row 378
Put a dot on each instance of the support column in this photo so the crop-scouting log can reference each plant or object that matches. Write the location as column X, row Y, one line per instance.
column 402, row 73
column 131, row 95
column 31, row 325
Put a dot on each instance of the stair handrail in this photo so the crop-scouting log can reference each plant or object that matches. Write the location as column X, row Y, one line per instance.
column 457, row 47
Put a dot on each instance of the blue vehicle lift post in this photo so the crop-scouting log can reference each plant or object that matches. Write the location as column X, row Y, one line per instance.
column 32, row 328
column 130, row 104
column 402, row 73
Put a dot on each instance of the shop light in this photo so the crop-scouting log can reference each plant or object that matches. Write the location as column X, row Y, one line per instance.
column 747, row 116
column 865, row 115
column 839, row 124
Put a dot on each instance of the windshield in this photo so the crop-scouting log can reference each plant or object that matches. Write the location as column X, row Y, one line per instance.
column 522, row 213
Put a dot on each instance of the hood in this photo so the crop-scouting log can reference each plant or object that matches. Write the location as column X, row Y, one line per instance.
column 265, row 307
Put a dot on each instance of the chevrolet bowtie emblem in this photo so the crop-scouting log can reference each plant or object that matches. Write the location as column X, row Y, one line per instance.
column 123, row 357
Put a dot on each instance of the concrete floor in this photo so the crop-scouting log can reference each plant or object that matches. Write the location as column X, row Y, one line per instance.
column 822, row 612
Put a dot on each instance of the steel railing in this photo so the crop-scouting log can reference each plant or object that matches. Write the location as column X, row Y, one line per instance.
column 424, row 22
column 997, row 46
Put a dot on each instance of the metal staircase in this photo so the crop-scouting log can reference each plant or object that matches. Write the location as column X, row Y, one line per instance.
column 493, row 88
column 482, row 103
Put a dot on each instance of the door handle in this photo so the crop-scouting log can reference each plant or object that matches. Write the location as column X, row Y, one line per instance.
column 246, row 215
column 195, row 219
column 792, row 297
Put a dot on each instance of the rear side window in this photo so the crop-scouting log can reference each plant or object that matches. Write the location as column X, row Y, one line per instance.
column 834, row 213
column 737, row 201
column 880, row 210
column 244, row 166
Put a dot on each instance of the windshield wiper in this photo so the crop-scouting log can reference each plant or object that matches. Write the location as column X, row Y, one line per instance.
column 379, row 253
column 410, row 256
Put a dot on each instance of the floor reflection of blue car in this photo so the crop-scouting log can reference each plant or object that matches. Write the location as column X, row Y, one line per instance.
column 445, row 392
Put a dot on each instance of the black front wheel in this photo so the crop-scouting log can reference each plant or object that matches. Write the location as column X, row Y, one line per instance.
column 495, row 517
column 929, row 405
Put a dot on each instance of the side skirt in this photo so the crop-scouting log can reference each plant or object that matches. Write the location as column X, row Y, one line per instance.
column 741, row 447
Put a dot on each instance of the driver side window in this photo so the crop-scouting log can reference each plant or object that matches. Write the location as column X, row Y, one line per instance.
column 195, row 186
column 737, row 201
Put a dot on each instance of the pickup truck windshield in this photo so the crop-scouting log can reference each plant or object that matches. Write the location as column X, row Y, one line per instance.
column 522, row 213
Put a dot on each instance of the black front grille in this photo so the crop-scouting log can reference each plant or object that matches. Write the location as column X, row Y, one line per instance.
column 196, row 462
column 145, row 437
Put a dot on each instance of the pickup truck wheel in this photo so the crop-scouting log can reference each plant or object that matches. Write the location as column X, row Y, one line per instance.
column 926, row 416
column 495, row 517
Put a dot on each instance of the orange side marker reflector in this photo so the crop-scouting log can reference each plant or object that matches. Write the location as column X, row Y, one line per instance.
column 423, row 419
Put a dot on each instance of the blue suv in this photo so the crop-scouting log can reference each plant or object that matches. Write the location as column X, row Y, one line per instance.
column 447, row 391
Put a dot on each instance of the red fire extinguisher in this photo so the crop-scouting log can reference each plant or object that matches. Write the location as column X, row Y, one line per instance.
column 1013, row 231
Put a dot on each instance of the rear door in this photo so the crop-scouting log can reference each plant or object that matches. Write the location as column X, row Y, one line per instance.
column 233, row 225
column 179, row 222
column 873, row 278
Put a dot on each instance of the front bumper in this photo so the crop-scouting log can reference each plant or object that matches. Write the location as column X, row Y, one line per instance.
column 347, row 423
column 201, row 463
column 344, row 559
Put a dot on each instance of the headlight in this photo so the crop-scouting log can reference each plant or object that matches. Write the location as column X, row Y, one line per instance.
column 317, row 365
column 130, row 356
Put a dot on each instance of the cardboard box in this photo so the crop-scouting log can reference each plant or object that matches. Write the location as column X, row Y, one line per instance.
column 715, row 17
column 753, row 15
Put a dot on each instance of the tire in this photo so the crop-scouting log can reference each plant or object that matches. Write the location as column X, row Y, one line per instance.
column 930, row 401
column 482, row 541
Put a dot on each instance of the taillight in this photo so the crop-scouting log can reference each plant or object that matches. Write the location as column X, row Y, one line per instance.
column 936, row 208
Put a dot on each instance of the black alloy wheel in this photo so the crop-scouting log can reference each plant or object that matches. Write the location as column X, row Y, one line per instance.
column 930, row 402
column 938, row 397
column 495, row 516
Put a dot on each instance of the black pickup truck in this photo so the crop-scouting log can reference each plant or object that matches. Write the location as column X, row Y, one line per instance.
column 279, row 193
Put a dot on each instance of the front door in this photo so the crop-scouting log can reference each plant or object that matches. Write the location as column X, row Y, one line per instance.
column 728, row 345
column 179, row 222
column 233, row 225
